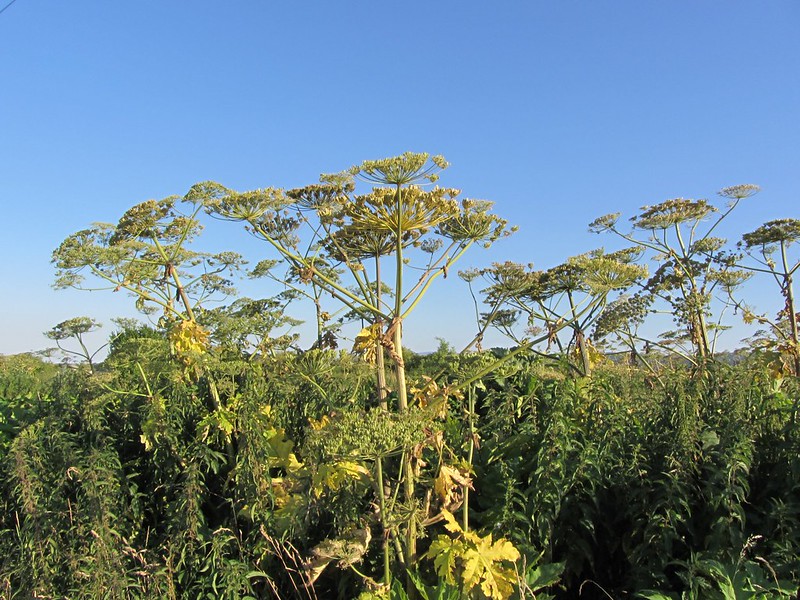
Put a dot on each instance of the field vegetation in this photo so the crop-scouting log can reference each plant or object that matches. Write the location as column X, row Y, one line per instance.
column 211, row 455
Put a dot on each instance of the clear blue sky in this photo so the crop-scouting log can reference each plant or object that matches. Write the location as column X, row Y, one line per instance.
column 560, row 111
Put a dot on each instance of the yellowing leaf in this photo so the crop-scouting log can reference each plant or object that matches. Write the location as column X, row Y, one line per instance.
column 430, row 394
column 499, row 582
column 450, row 522
column 283, row 448
column 449, row 484
column 500, row 550
column 188, row 338
column 444, row 553
column 333, row 476
column 471, row 561
column 482, row 565
column 367, row 342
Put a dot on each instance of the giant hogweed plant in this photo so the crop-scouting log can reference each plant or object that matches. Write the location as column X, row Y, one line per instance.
column 190, row 406
column 147, row 253
column 320, row 233
column 568, row 297
column 691, row 265
column 327, row 230
column 76, row 328
column 768, row 248
column 351, row 233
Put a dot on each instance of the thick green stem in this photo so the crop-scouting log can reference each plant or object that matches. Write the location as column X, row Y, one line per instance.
column 580, row 338
column 187, row 305
column 400, row 368
column 402, row 394
column 583, row 349
column 387, row 564
column 700, row 328
column 408, row 480
column 380, row 371
column 470, row 453
column 380, row 360
column 320, row 322
column 790, row 310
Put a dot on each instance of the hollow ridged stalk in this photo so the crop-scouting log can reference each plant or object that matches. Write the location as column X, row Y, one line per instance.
column 402, row 394
column 400, row 368
column 380, row 362
column 791, row 313
column 387, row 558
column 470, row 453
column 580, row 339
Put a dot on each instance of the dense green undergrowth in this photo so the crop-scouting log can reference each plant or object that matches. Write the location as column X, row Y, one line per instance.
column 137, row 481
column 210, row 457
